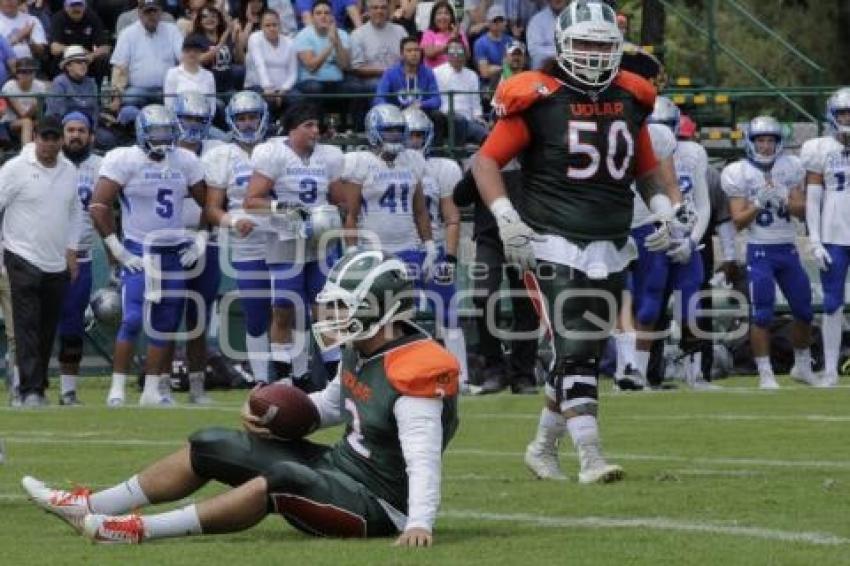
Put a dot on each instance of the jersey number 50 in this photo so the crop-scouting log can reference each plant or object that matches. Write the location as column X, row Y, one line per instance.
column 618, row 132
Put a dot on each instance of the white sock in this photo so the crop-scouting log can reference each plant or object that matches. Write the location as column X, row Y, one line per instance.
column 177, row 523
column 300, row 349
column 695, row 366
column 116, row 389
column 258, row 356
column 196, row 383
column 152, row 386
column 550, row 428
column 456, row 345
column 641, row 361
column 583, row 430
column 281, row 352
column 803, row 359
column 67, row 383
column 629, row 353
column 832, row 327
column 763, row 366
column 620, row 340
column 119, row 499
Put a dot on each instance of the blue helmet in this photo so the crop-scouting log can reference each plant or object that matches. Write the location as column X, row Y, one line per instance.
column 763, row 126
column 156, row 130
column 838, row 102
column 419, row 122
column 386, row 129
column 667, row 113
column 194, row 116
column 247, row 102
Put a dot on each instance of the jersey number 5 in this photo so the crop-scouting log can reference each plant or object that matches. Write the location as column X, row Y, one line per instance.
column 165, row 206
column 618, row 132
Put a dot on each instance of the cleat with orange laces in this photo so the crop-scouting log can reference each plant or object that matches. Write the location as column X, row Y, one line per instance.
column 108, row 529
column 70, row 506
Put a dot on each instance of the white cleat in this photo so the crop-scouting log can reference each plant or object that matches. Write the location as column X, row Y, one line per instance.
column 543, row 463
column 115, row 398
column 701, row 384
column 106, row 529
column 806, row 376
column 768, row 382
column 70, row 506
column 827, row 380
column 602, row 473
column 200, row 399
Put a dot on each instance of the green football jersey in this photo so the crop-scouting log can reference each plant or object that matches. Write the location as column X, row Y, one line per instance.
column 371, row 450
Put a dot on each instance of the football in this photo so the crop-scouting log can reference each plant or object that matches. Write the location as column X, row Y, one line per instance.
column 285, row 410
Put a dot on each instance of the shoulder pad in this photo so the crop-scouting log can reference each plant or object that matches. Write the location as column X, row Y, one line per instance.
column 422, row 369
column 638, row 86
column 521, row 91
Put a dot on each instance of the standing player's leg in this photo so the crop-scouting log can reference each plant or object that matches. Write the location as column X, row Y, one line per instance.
column 132, row 313
column 254, row 284
column 797, row 289
column 650, row 279
column 288, row 306
column 206, row 285
column 833, row 281
column 316, row 274
column 760, row 279
column 71, row 333
column 626, row 377
column 686, row 281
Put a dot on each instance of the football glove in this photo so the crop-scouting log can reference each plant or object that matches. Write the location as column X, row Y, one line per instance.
column 680, row 250
column 517, row 237
column 444, row 271
column 768, row 195
column 821, row 256
column 429, row 261
column 190, row 255
column 659, row 240
column 130, row 262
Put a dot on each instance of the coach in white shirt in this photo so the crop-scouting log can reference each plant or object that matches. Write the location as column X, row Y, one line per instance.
column 41, row 226
column 454, row 75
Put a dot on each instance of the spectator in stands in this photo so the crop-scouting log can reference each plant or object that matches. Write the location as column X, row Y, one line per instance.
column 21, row 111
column 143, row 54
column 77, row 25
column 323, row 54
column 7, row 60
column 284, row 9
column 249, row 21
column 189, row 75
column 454, row 75
column 411, row 83
column 442, row 27
column 191, row 8
column 515, row 60
column 131, row 16
column 490, row 48
column 73, row 90
column 373, row 45
column 541, row 33
column 23, row 32
column 404, row 15
column 222, row 53
column 343, row 12
column 272, row 65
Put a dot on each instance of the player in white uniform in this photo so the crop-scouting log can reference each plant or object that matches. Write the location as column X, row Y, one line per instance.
column 765, row 190
column 827, row 163
column 291, row 176
column 441, row 176
column 227, row 173
column 78, row 137
column 151, row 180
column 389, row 207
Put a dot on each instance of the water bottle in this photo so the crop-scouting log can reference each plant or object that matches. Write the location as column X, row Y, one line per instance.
column 105, row 92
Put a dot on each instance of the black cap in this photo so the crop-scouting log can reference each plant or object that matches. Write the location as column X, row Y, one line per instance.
column 26, row 64
column 145, row 4
column 194, row 41
column 49, row 125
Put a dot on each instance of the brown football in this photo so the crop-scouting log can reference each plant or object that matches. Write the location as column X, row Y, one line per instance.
column 285, row 410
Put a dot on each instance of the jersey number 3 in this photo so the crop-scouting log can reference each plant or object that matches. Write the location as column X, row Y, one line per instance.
column 618, row 133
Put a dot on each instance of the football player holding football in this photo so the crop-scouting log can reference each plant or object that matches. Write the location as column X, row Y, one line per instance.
column 397, row 395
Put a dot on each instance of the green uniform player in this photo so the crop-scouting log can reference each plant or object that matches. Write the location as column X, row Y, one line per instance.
column 395, row 392
column 578, row 129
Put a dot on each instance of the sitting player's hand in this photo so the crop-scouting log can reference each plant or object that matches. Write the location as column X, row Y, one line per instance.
column 680, row 250
column 252, row 423
column 242, row 226
column 768, row 195
column 821, row 255
column 416, row 537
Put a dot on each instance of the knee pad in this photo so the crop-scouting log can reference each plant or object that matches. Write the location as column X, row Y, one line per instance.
column 70, row 349
column 572, row 384
column 216, row 453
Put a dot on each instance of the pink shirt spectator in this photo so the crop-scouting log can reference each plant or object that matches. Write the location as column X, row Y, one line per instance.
column 432, row 38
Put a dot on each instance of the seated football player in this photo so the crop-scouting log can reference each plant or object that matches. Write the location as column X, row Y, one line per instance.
column 397, row 396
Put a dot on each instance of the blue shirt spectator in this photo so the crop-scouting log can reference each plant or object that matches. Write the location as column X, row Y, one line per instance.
column 489, row 49
column 341, row 9
column 309, row 40
column 7, row 54
column 410, row 88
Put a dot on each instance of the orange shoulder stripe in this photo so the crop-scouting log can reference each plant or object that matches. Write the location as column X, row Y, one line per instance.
column 422, row 369
column 521, row 91
column 641, row 88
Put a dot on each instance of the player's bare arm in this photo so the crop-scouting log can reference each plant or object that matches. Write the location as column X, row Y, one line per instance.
column 420, row 214
column 257, row 195
column 217, row 216
column 451, row 220
column 743, row 212
column 346, row 196
column 100, row 207
column 797, row 202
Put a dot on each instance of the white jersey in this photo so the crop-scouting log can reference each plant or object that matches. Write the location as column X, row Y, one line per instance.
column 663, row 146
column 826, row 156
column 298, row 182
column 228, row 167
column 87, row 174
column 191, row 209
column 745, row 180
column 386, row 207
column 153, row 192
column 438, row 183
column 691, row 163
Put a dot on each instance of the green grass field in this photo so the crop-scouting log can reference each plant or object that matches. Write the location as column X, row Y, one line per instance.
column 736, row 476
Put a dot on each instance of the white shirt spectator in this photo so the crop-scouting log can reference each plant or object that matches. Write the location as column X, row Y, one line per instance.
column 148, row 56
column 541, row 37
column 8, row 27
column 12, row 88
column 34, row 195
column 466, row 105
column 376, row 47
column 178, row 80
column 271, row 66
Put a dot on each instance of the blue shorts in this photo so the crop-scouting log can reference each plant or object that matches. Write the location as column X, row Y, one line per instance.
column 303, row 280
column 206, row 284
column 834, row 278
column 254, row 283
column 77, row 296
column 772, row 264
column 162, row 316
column 655, row 277
column 440, row 299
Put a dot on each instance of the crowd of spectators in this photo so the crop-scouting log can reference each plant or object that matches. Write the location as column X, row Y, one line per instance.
column 109, row 58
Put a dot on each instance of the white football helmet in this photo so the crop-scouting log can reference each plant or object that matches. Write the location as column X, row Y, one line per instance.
column 667, row 113
column 588, row 43
column 839, row 102
column 763, row 126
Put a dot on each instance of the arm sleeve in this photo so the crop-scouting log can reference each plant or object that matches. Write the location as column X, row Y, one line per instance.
column 509, row 137
column 263, row 161
column 121, row 55
column 814, row 195
column 420, row 432
column 432, row 100
column 644, row 153
column 76, row 218
column 726, row 232
column 328, row 404
column 701, row 200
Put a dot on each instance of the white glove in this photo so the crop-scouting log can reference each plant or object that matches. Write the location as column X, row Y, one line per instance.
column 822, row 257
column 130, row 262
column 684, row 218
column 680, row 250
column 767, row 195
column 190, row 255
column 659, row 240
column 444, row 272
column 428, row 263
column 516, row 236
column 289, row 219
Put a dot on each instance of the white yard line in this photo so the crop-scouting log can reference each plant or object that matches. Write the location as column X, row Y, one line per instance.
column 686, row 417
column 656, row 523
